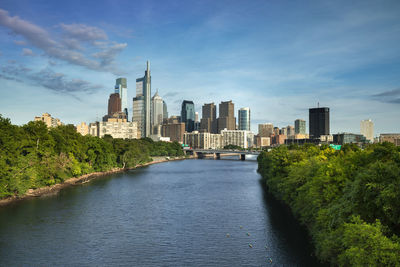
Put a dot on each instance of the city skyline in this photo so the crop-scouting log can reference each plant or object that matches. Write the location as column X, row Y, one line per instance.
column 60, row 62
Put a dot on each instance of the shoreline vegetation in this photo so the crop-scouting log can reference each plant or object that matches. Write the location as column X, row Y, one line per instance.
column 348, row 199
column 54, row 189
column 36, row 160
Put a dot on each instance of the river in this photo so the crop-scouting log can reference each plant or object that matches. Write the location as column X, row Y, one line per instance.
column 180, row 213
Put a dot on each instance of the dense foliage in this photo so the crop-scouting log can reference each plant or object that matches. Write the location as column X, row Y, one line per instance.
column 33, row 156
column 349, row 199
column 233, row 147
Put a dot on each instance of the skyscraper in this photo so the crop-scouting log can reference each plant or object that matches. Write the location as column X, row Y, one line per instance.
column 157, row 110
column 165, row 110
column 122, row 89
column 114, row 104
column 244, row 119
column 300, row 126
column 188, row 115
column 367, row 129
column 226, row 117
column 142, row 103
column 208, row 121
column 318, row 122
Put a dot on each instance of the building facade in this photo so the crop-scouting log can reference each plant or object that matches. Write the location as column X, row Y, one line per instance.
column 300, row 126
column 319, row 122
column 165, row 110
column 124, row 130
column 349, row 138
column 142, row 103
column 393, row 138
column 367, row 129
column 208, row 122
column 114, row 104
column 188, row 115
column 226, row 119
column 244, row 139
column 49, row 120
column 261, row 142
column 82, row 128
column 121, row 88
column 157, row 110
column 202, row 140
column 244, row 119
column 290, row 131
column 265, row 129
column 174, row 131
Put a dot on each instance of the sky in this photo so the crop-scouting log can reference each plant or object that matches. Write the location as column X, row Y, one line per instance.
column 279, row 58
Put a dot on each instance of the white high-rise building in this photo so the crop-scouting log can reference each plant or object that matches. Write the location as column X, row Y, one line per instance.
column 367, row 129
column 242, row 138
column 122, row 89
column 157, row 110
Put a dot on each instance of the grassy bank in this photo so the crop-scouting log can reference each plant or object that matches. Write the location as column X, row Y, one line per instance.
column 33, row 156
column 348, row 199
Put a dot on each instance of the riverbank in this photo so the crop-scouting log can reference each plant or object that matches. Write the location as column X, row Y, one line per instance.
column 54, row 189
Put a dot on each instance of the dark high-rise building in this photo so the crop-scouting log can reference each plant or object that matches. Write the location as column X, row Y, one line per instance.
column 188, row 115
column 226, row 117
column 208, row 122
column 114, row 104
column 318, row 122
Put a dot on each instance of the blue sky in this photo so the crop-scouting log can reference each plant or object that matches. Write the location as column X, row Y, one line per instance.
column 277, row 57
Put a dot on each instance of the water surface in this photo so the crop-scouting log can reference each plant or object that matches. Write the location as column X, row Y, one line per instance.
column 181, row 213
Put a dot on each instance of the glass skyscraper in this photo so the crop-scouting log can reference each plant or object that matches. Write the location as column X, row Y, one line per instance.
column 244, row 119
column 188, row 115
column 122, row 89
column 318, row 122
column 142, row 103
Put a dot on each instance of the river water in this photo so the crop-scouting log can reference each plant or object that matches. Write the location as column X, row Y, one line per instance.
column 181, row 213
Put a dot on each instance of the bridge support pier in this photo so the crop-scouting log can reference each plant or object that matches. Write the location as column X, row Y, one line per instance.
column 217, row 155
column 242, row 156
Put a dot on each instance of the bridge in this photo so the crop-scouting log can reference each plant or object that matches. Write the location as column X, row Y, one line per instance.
column 218, row 153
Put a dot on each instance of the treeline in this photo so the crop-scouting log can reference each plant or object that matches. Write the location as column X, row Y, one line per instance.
column 33, row 156
column 349, row 200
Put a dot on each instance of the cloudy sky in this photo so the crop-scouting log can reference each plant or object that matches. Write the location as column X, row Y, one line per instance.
column 277, row 57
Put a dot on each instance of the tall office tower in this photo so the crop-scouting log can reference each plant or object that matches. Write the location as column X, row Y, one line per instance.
column 196, row 116
column 188, row 115
column 122, row 89
column 157, row 110
column 318, row 122
column 114, row 104
column 165, row 110
column 367, row 129
column 226, row 116
column 142, row 103
column 244, row 119
column 300, row 126
column 208, row 122
column 265, row 130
